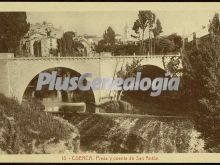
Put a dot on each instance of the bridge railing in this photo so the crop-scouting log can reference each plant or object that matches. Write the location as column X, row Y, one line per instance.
column 91, row 58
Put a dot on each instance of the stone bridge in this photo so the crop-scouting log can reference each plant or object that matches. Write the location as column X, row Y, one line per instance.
column 16, row 73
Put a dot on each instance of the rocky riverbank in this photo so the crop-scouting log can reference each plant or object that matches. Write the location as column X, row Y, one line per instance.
column 127, row 134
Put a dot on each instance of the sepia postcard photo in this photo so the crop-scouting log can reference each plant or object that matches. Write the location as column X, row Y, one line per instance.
column 109, row 82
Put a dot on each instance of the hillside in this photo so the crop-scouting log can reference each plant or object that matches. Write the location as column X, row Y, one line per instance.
column 27, row 129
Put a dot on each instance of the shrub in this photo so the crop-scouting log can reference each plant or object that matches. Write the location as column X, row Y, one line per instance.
column 30, row 123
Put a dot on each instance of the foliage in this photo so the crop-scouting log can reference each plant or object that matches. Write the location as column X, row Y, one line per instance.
column 68, row 46
column 107, row 44
column 214, row 26
column 168, row 44
column 103, row 47
column 31, row 123
column 201, row 84
column 201, row 75
column 13, row 27
column 146, row 19
column 158, row 28
column 123, row 134
column 130, row 70
column 109, row 36
column 173, row 65
column 178, row 41
column 126, row 49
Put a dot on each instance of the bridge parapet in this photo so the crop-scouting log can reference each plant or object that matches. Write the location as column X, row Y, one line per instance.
column 89, row 58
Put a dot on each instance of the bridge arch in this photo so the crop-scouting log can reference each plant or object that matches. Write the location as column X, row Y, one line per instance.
column 21, row 71
column 33, row 81
column 151, row 71
column 18, row 72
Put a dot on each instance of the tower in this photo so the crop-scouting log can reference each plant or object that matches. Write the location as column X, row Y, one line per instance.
column 126, row 33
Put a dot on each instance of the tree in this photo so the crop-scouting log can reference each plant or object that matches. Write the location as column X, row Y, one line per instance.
column 107, row 44
column 130, row 70
column 158, row 28
column 201, row 75
column 214, row 26
column 156, row 32
column 109, row 36
column 178, row 41
column 200, row 89
column 68, row 46
column 146, row 18
column 169, row 44
column 100, row 47
column 126, row 49
column 13, row 27
column 164, row 46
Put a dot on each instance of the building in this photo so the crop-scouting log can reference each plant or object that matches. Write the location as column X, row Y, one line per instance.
column 45, row 47
column 197, row 37
column 128, row 33
column 87, row 45
column 118, row 38
column 88, row 42
column 40, row 39
column 48, row 46
column 92, row 39
column 27, row 43
column 200, row 34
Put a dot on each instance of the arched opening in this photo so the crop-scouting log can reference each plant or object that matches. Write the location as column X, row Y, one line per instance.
column 152, row 72
column 145, row 103
column 60, row 99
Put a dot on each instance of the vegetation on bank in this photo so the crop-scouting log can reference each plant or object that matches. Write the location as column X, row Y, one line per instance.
column 28, row 129
column 201, row 86
column 130, row 134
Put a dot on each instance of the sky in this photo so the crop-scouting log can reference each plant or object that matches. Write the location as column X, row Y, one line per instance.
column 96, row 22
